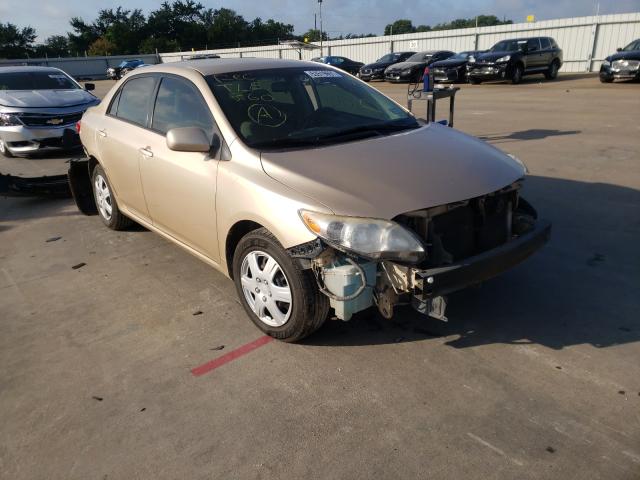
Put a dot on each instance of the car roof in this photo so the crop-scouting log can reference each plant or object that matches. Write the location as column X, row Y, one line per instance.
column 225, row 65
column 28, row 68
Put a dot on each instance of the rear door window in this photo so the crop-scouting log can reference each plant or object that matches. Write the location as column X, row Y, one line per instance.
column 179, row 104
column 135, row 100
column 533, row 44
column 546, row 44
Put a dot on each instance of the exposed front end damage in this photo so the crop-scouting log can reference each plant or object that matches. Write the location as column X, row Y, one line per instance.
column 466, row 243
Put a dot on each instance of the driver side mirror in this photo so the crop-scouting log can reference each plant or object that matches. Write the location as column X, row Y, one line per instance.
column 619, row 49
column 192, row 139
column 89, row 86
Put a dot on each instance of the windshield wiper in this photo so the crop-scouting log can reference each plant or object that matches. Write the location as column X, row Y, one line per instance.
column 374, row 128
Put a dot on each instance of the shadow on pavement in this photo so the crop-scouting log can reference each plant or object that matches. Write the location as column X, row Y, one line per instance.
column 531, row 134
column 581, row 288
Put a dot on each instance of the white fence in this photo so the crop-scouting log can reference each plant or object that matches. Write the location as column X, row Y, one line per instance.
column 585, row 41
column 82, row 67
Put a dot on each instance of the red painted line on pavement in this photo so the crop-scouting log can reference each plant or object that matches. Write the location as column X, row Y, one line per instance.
column 232, row 355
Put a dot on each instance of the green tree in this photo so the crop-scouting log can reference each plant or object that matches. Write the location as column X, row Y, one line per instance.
column 54, row 46
column 101, row 47
column 398, row 27
column 16, row 42
column 313, row 35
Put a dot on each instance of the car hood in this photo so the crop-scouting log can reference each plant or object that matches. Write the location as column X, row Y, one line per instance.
column 383, row 177
column 449, row 63
column 45, row 98
column 631, row 55
column 403, row 65
column 492, row 56
column 377, row 65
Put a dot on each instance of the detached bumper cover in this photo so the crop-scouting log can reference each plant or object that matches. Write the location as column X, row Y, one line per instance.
column 439, row 281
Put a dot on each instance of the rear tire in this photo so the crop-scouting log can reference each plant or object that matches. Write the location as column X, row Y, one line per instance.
column 4, row 150
column 606, row 80
column 106, row 202
column 552, row 73
column 262, row 271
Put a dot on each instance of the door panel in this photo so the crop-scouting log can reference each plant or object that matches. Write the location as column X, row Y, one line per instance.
column 180, row 187
column 118, row 144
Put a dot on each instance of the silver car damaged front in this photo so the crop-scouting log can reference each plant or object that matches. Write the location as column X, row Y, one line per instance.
column 458, row 196
column 35, row 119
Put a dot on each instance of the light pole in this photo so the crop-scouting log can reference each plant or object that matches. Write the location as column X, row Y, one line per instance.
column 321, row 52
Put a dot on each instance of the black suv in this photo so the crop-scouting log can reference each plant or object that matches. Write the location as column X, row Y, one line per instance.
column 512, row 59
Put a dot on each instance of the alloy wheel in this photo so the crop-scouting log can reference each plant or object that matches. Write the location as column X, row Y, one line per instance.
column 103, row 197
column 266, row 288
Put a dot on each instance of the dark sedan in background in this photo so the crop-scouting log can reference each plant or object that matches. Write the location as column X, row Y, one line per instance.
column 624, row 65
column 116, row 73
column 453, row 69
column 412, row 68
column 375, row 70
column 343, row 63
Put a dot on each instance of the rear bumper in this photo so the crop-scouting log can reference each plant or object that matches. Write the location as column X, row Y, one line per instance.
column 440, row 281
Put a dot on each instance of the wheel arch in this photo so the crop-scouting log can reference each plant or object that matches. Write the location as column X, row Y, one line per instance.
column 234, row 235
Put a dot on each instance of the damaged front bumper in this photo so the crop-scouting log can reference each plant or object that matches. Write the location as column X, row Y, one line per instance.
column 502, row 231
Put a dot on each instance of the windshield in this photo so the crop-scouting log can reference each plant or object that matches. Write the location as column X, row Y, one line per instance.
column 508, row 46
column 632, row 46
column 47, row 80
column 461, row 56
column 419, row 57
column 289, row 107
column 389, row 57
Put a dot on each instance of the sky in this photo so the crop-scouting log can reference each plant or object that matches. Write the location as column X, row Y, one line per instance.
column 51, row 17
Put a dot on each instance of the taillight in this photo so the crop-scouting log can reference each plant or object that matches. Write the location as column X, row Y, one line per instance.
column 78, row 127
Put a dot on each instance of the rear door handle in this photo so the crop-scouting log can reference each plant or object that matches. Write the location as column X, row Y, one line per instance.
column 102, row 133
column 146, row 152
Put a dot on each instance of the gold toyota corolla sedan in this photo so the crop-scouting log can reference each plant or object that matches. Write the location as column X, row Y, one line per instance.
column 309, row 189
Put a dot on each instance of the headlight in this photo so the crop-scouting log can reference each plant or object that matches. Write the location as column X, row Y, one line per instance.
column 506, row 58
column 368, row 237
column 9, row 120
column 472, row 60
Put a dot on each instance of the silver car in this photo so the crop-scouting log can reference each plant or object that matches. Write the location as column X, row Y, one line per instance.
column 39, row 108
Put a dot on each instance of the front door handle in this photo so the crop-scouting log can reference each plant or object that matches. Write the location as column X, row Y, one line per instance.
column 102, row 133
column 146, row 152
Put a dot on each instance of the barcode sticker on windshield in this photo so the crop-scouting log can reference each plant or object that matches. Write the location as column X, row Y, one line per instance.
column 323, row 74
column 57, row 76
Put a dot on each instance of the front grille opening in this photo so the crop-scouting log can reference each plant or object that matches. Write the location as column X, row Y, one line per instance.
column 460, row 230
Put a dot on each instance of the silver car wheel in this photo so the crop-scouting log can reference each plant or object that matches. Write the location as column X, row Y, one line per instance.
column 266, row 288
column 103, row 197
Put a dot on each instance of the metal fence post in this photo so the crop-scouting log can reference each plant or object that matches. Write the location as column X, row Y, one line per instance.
column 595, row 29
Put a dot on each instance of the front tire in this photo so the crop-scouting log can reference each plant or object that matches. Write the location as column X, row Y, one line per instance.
column 106, row 202
column 280, row 298
column 4, row 150
column 606, row 79
column 518, row 71
column 474, row 81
